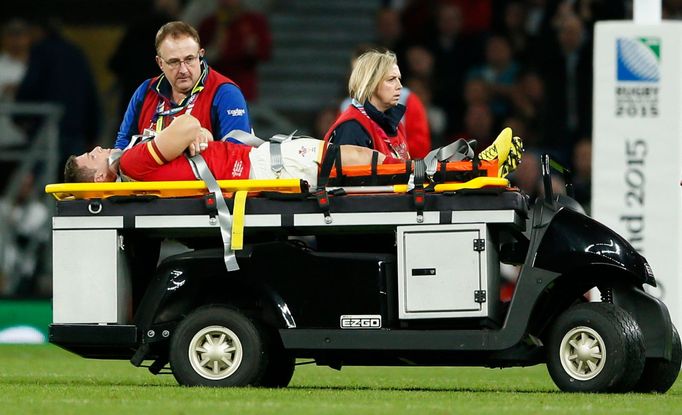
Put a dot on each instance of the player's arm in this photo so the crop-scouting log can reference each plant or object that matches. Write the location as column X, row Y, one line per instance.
column 355, row 155
column 185, row 132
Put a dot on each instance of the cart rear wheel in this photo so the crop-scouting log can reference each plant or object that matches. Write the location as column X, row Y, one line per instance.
column 217, row 346
column 280, row 370
column 595, row 347
column 659, row 375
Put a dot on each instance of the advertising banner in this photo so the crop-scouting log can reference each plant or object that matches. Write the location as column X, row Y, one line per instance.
column 637, row 151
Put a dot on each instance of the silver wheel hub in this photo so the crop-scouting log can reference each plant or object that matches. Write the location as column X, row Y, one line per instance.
column 215, row 352
column 582, row 353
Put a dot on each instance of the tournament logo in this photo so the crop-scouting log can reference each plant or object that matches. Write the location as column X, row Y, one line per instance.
column 638, row 59
column 638, row 73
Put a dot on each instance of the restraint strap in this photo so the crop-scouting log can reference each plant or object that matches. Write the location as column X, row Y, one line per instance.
column 243, row 137
column 374, row 180
column 321, row 195
column 455, row 151
column 276, row 161
column 224, row 218
column 418, row 194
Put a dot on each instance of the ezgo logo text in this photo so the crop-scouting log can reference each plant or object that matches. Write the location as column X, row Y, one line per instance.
column 639, row 59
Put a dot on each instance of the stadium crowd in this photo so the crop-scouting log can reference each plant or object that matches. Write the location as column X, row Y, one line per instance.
column 475, row 65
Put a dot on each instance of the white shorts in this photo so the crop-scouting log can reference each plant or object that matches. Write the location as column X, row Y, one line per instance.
column 301, row 159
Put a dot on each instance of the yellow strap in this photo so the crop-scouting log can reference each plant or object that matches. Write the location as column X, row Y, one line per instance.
column 238, row 212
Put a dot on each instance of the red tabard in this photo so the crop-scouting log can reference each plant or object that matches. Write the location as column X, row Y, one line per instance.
column 390, row 146
column 201, row 108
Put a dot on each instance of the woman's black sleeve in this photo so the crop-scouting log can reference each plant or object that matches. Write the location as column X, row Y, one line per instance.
column 351, row 132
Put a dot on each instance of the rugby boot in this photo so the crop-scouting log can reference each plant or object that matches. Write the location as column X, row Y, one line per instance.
column 507, row 150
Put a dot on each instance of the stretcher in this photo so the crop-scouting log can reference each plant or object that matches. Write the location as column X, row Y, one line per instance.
column 361, row 272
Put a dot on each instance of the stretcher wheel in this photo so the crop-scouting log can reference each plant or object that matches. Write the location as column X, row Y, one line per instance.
column 595, row 347
column 659, row 375
column 218, row 346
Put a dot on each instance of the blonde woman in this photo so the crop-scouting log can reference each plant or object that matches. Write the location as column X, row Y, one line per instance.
column 373, row 119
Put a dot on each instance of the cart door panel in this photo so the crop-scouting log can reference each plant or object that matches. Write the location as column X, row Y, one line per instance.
column 443, row 271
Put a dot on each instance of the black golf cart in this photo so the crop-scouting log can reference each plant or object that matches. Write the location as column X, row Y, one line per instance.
column 353, row 279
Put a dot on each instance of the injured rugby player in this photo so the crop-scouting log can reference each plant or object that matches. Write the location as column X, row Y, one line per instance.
column 162, row 158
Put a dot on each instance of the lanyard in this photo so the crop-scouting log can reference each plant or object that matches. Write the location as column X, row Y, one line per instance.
column 187, row 105
column 160, row 113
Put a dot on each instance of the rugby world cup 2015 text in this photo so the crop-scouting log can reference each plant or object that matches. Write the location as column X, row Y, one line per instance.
column 372, row 321
column 636, row 151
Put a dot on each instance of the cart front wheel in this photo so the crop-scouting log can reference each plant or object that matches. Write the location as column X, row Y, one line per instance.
column 595, row 347
column 659, row 374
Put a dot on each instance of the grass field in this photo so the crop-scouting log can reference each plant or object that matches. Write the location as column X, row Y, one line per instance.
column 48, row 380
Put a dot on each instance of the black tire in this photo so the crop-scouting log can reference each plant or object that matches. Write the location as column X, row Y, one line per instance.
column 280, row 367
column 236, row 340
column 595, row 347
column 659, row 374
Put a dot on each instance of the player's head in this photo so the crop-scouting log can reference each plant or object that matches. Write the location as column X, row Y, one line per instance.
column 89, row 167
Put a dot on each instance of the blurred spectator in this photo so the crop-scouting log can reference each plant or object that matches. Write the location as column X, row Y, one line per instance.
column 528, row 101
column 477, row 14
column 536, row 15
column 436, row 115
column 514, row 30
column 582, row 172
column 476, row 91
column 672, row 9
column 479, row 125
column 132, row 59
column 453, row 54
column 568, row 82
column 323, row 120
column 58, row 72
column 389, row 33
column 236, row 41
column 16, row 45
column 518, row 127
column 590, row 11
column 500, row 72
column 527, row 176
column 419, row 63
column 416, row 17
column 195, row 11
column 22, row 258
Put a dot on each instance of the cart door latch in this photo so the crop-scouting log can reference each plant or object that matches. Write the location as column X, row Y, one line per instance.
column 479, row 245
column 480, row 296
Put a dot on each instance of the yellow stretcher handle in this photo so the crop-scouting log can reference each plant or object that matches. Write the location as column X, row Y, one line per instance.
column 62, row 191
